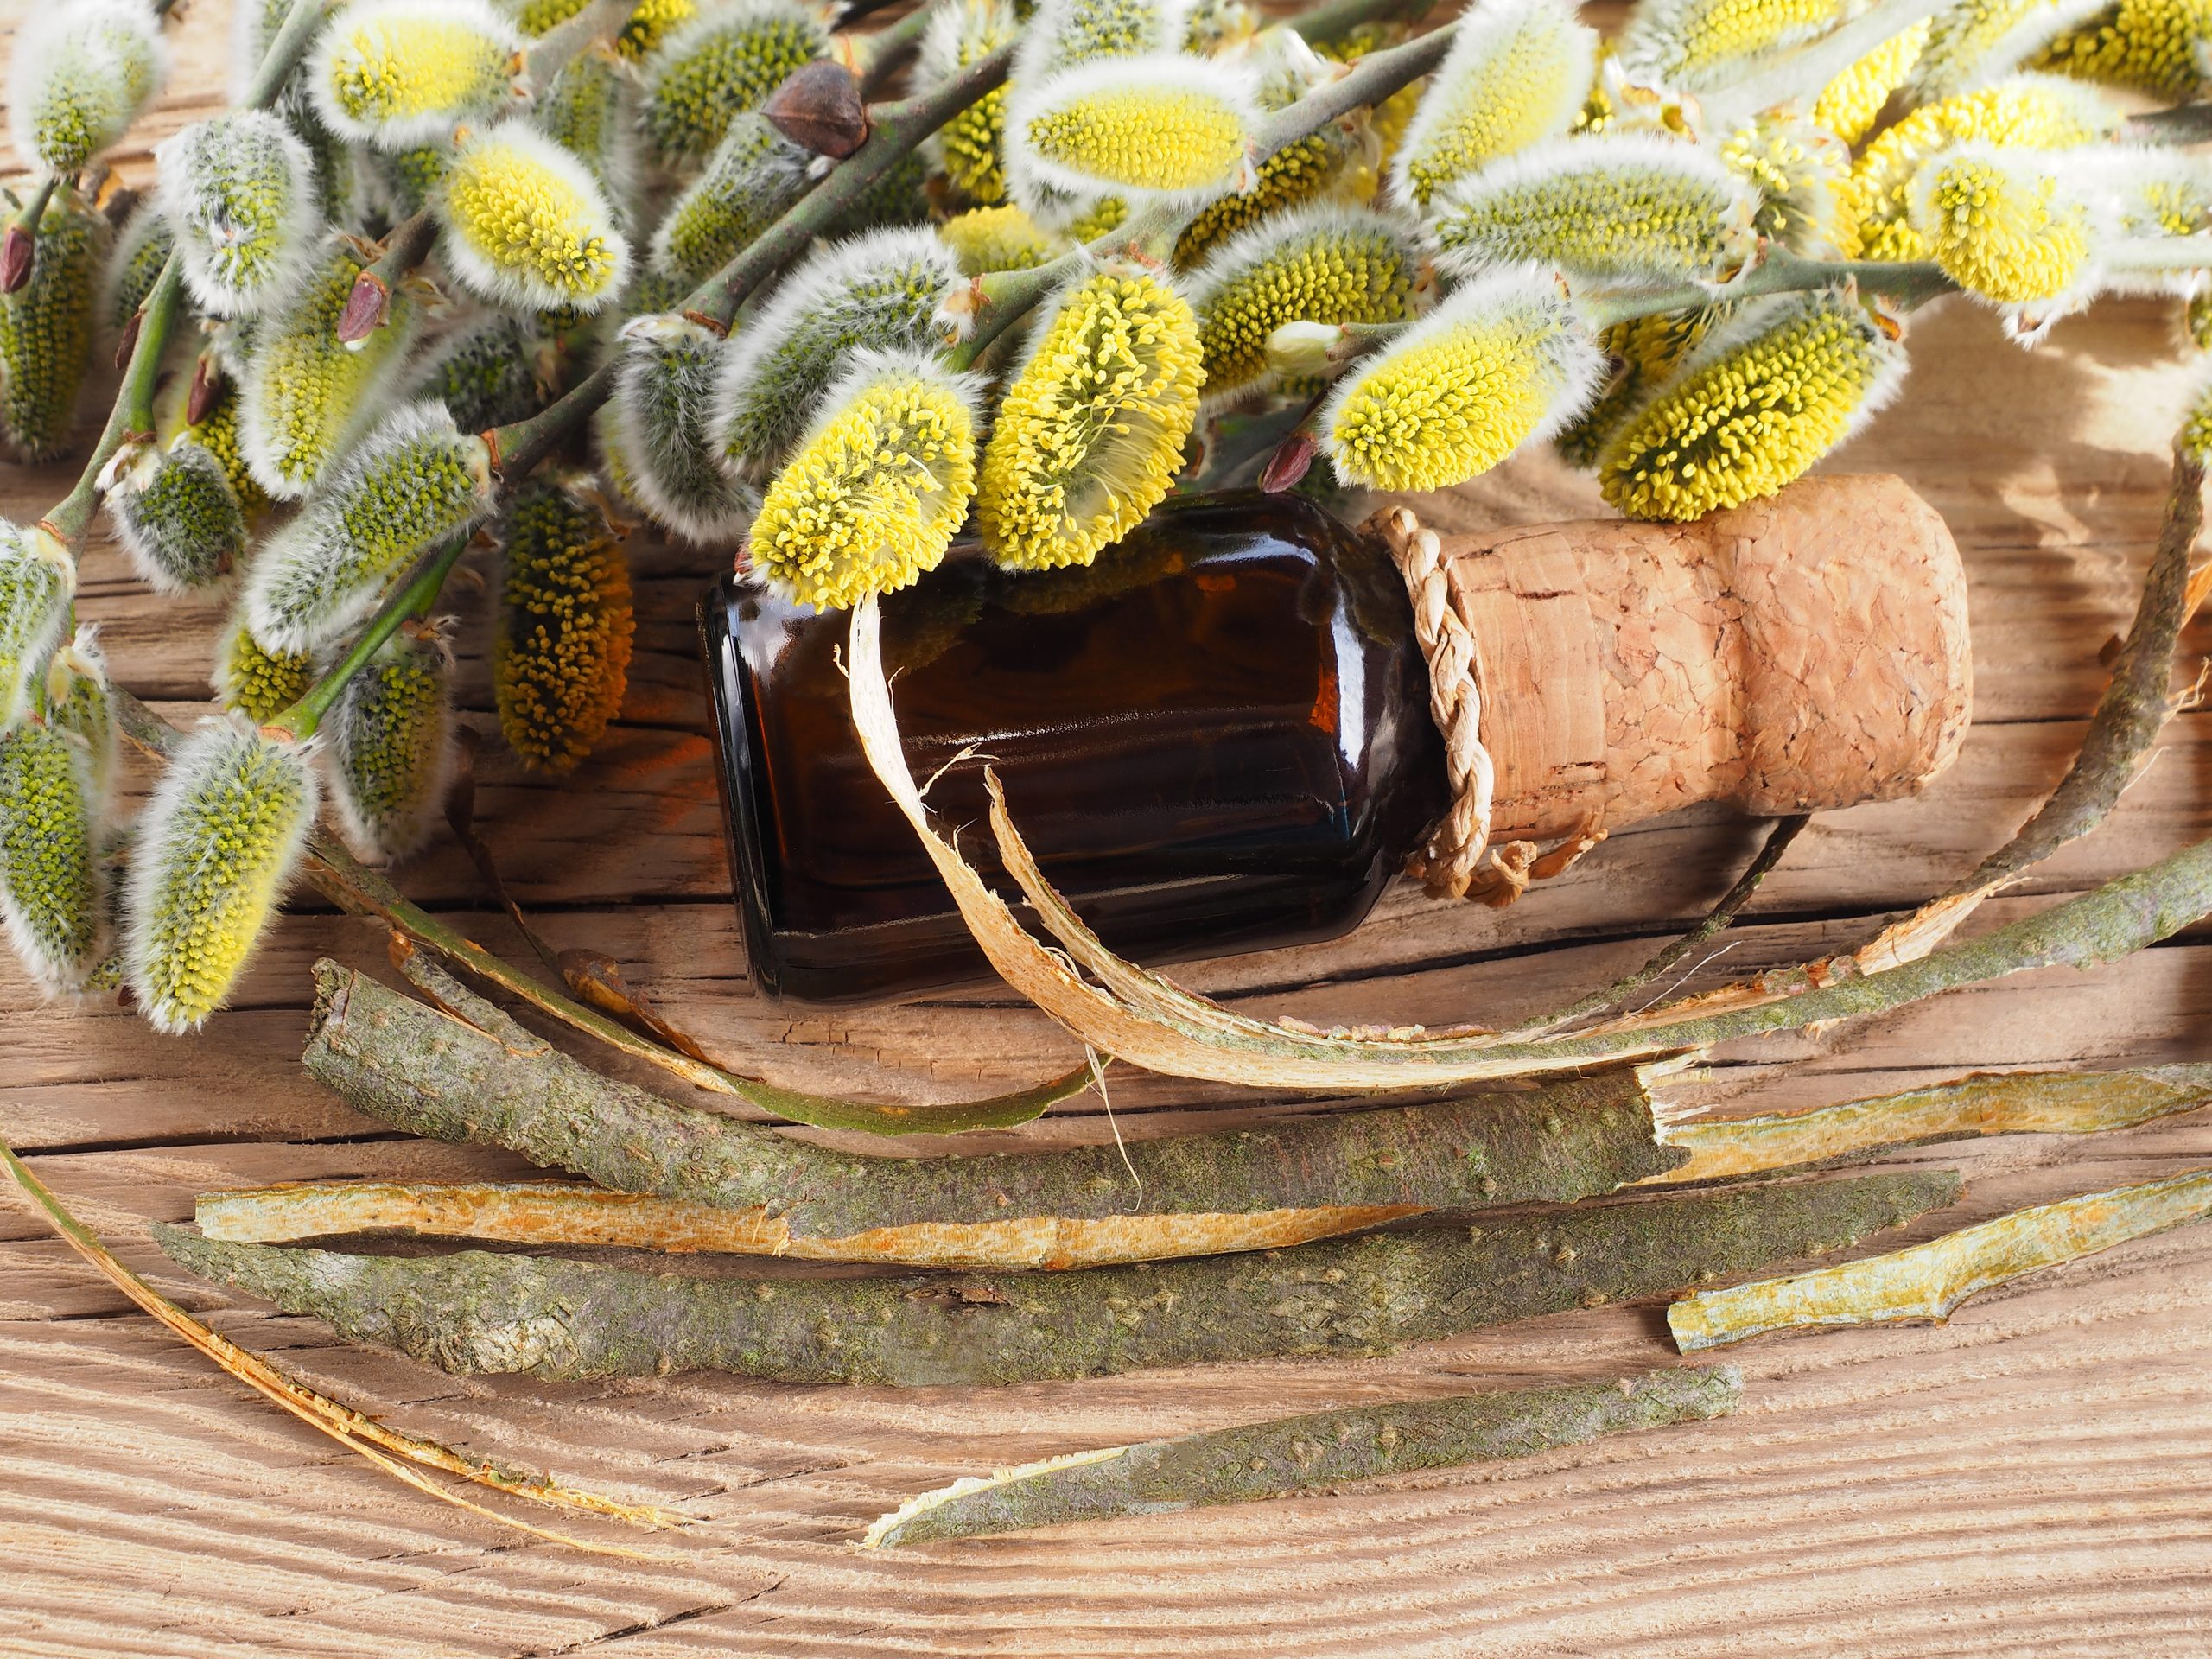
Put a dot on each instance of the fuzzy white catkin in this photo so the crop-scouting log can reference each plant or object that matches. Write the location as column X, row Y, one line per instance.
column 38, row 581
column 237, row 193
column 660, row 414
column 78, row 72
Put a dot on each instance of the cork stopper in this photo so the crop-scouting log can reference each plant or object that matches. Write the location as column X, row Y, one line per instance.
column 1801, row 653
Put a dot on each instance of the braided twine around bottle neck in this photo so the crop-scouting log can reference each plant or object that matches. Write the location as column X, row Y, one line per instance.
column 1456, row 859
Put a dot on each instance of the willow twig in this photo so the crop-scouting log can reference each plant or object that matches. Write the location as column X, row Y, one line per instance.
column 1928, row 1282
column 1295, row 1454
column 354, row 1430
column 475, row 1312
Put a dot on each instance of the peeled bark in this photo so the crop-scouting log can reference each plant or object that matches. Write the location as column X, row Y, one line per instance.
column 471, row 1074
column 474, row 1312
column 1316, row 1448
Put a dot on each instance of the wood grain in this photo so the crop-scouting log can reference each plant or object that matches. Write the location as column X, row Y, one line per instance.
column 2028, row 1480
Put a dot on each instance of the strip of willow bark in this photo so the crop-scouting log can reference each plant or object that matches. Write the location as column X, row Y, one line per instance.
column 1723, row 914
column 476, row 1313
column 1985, row 1103
column 1929, row 1281
column 1316, row 1448
column 470, row 1074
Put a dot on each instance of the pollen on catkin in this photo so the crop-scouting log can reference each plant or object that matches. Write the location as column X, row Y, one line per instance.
column 718, row 66
column 2023, row 112
column 881, row 290
column 1060, row 34
column 1699, row 45
column 45, row 329
column 1848, row 106
column 1972, row 43
column 391, row 746
column 1615, row 207
column 396, row 73
column 2154, row 46
column 969, row 150
column 53, row 902
column 217, row 848
column 1162, row 126
column 560, row 656
column 77, row 75
column 754, row 173
column 662, row 412
column 1324, row 264
column 306, row 396
column 38, row 580
column 414, row 482
column 256, row 681
column 177, row 516
column 238, row 190
column 1090, row 431
column 1502, row 361
column 525, row 226
column 998, row 238
column 2005, row 226
column 1753, row 407
column 1517, row 73
column 873, row 494
column 1801, row 172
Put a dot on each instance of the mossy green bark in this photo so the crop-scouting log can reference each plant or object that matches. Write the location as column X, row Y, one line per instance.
column 479, row 1313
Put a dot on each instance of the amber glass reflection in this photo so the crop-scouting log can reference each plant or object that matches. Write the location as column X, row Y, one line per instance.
column 1215, row 739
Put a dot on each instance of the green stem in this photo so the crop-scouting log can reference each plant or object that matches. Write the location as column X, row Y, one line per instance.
column 303, row 719
column 286, row 48
column 555, row 49
column 21, row 238
column 131, row 417
column 1914, row 281
column 1332, row 18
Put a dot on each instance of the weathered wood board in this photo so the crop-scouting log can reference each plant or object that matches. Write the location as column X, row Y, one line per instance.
column 2029, row 1480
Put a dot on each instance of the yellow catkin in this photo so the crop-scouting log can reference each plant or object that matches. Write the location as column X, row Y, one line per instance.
column 1091, row 434
column 997, row 238
column 1849, row 105
column 1695, row 43
column 1517, row 79
column 1333, row 266
column 1751, row 409
column 1143, row 137
column 2152, row 45
column 259, row 682
column 395, row 74
column 526, row 226
column 1293, row 176
column 2000, row 229
column 561, row 659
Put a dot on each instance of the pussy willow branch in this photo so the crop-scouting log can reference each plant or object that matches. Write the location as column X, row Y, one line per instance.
column 554, row 50
column 411, row 599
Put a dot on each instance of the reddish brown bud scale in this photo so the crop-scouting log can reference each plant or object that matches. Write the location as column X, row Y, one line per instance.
column 1288, row 464
column 819, row 106
column 16, row 252
column 206, row 388
column 129, row 344
column 365, row 308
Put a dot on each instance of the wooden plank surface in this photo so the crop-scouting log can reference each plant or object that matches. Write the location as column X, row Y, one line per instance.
column 2028, row 1480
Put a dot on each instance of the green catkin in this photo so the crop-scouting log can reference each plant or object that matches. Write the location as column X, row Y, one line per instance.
column 391, row 743
column 45, row 329
column 492, row 371
column 587, row 111
column 79, row 701
column 969, row 150
column 139, row 252
column 1064, row 33
column 900, row 198
column 717, row 66
column 754, row 173
column 38, row 580
column 1519, row 72
column 51, row 881
column 217, row 432
column 256, row 681
column 661, row 409
column 561, row 657
column 79, row 74
column 306, row 394
column 238, row 193
column 216, row 850
column 414, row 482
column 178, row 518
column 998, row 238
column 649, row 21
column 1801, row 174
column 407, row 180
column 337, row 164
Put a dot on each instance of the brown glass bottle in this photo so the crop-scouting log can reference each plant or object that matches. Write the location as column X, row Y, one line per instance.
column 1216, row 738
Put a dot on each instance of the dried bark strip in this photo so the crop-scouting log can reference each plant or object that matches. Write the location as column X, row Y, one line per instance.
column 475, row 1312
column 472, row 1074
column 1928, row 1281
column 1295, row 1454
column 1999, row 1102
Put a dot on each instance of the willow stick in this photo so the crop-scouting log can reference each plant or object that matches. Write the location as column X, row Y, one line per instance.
column 1254, row 1461
column 1929, row 1281
column 354, row 1430
column 465, row 1072
column 1984, row 1103
column 475, row 1312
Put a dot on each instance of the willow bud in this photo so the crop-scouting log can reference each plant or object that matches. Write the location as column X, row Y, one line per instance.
column 874, row 492
column 661, row 411
column 217, row 848
column 883, row 291
column 53, row 902
column 561, row 657
column 1517, row 73
column 1090, row 433
column 256, row 681
column 1755, row 404
column 396, row 73
column 718, row 66
column 414, row 482
column 754, row 173
column 391, row 746
column 177, row 516
column 1321, row 265
column 525, row 227
column 969, row 150
column 1503, row 360
column 1625, row 207
column 38, row 580
column 78, row 76
column 306, row 396
column 1165, row 126
column 45, row 329
column 998, row 238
